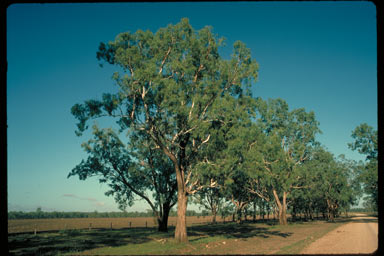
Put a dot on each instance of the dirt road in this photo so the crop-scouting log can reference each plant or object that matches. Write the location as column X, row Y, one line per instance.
column 360, row 236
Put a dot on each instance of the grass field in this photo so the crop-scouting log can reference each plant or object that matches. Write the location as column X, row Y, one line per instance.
column 228, row 238
column 29, row 225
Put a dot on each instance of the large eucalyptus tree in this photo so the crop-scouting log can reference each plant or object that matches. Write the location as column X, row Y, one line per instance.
column 173, row 86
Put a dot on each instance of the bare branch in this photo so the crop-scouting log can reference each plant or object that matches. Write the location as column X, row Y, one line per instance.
column 259, row 194
column 206, row 140
column 190, row 111
column 164, row 59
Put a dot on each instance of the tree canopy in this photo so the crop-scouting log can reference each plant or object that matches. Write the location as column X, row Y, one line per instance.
column 366, row 143
column 173, row 88
column 193, row 128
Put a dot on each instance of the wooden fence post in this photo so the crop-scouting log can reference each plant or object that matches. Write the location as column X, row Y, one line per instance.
column 35, row 230
column 90, row 226
column 130, row 224
column 111, row 225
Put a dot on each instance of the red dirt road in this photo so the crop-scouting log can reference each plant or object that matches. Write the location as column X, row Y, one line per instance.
column 360, row 236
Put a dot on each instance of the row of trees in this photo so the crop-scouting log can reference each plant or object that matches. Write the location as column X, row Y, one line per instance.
column 194, row 129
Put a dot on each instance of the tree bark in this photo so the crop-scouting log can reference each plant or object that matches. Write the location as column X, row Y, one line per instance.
column 284, row 210
column 181, row 222
column 163, row 220
column 214, row 213
column 281, row 207
column 182, row 197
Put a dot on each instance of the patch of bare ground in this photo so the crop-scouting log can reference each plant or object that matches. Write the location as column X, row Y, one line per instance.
column 360, row 235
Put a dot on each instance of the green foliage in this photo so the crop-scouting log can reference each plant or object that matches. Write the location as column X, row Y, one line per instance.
column 193, row 126
column 175, row 87
column 366, row 143
column 173, row 91
column 329, row 185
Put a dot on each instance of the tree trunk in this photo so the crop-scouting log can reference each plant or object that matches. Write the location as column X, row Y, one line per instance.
column 281, row 207
column 254, row 212
column 284, row 213
column 245, row 214
column 181, row 222
column 293, row 214
column 261, row 209
column 239, row 210
column 163, row 220
column 214, row 213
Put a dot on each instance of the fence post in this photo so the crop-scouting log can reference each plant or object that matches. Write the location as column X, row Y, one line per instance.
column 90, row 226
column 111, row 225
column 145, row 224
column 130, row 224
column 35, row 230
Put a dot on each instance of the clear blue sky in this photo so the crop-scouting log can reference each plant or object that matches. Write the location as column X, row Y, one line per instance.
column 318, row 55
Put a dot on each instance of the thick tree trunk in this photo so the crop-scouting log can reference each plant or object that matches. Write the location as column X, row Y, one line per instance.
column 281, row 207
column 181, row 222
column 163, row 220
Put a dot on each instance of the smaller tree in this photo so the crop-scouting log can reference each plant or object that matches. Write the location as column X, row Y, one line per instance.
column 130, row 171
column 331, row 187
column 285, row 143
column 211, row 199
column 366, row 143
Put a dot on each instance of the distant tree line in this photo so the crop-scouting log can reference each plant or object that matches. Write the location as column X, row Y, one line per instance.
column 39, row 214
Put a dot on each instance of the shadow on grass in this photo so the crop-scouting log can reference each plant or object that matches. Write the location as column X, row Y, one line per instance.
column 76, row 240
column 73, row 241
column 234, row 230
